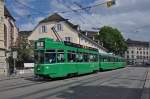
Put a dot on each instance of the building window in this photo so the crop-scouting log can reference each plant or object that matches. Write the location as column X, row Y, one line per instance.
column 5, row 35
column 132, row 52
column 132, row 57
column 127, row 52
column 59, row 27
column 127, row 56
column 44, row 29
column 68, row 39
column 137, row 52
column 140, row 57
column 143, row 52
column 147, row 53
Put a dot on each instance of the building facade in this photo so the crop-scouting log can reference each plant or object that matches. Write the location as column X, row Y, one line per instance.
column 10, row 37
column 10, row 31
column 59, row 28
column 138, row 52
column 3, row 65
column 92, row 35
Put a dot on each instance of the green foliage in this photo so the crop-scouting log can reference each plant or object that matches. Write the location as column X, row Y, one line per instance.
column 112, row 40
column 25, row 50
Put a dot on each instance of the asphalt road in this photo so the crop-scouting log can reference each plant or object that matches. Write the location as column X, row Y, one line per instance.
column 126, row 83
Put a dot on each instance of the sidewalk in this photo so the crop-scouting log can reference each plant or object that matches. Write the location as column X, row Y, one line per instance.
column 16, row 76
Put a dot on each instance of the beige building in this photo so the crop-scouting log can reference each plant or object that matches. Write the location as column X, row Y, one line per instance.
column 138, row 52
column 59, row 28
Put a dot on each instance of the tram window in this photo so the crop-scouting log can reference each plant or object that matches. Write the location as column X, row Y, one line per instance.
column 50, row 51
column 79, row 57
column 115, row 59
column 109, row 59
column 50, row 58
column 101, row 58
column 41, row 57
column 95, row 58
column 36, row 56
column 60, row 56
column 71, row 57
column 86, row 57
column 91, row 58
column 105, row 59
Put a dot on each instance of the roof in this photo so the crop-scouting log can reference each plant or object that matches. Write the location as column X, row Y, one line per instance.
column 89, row 39
column 7, row 13
column 25, row 33
column 90, row 33
column 56, row 17
column 137, row 43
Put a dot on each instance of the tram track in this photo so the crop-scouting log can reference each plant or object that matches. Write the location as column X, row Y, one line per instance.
column 145, row 79
column 32, row 83
column 72, row 84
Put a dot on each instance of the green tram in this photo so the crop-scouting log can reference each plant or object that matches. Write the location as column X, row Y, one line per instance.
column 60, row 59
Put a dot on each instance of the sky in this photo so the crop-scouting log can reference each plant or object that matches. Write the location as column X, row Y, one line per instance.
column 131, row 17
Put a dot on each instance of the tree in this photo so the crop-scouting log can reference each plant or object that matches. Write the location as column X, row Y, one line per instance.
column 112, row 40
column 25, row 51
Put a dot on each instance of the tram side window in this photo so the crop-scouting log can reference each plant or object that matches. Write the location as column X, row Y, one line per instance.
column 79, row 57
column 105, row 59
column 36, row 57
column 71, row 56
column 115, row 59
column 86, row 57
column 101, row 58
column 41, row 57
column 109, row 59
column 95, row 58
column 50, row 56
column 91, row 58
column 60, row 56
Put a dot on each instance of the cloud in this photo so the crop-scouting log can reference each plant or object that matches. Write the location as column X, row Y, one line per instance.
column 20, row 12
column 126, row 15
column 27, row 26
column 31, row 25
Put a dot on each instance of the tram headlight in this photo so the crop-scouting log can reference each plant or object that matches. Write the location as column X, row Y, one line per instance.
column 47, row 67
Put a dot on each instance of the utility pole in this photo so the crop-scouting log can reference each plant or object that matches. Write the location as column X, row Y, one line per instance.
column 14, row 60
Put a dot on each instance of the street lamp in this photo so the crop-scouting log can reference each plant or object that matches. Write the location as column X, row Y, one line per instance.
column 111, row 3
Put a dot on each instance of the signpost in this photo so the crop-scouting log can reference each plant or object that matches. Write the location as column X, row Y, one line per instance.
column 14, row 57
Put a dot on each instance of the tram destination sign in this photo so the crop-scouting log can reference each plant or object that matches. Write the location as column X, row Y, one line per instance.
column 40, row 44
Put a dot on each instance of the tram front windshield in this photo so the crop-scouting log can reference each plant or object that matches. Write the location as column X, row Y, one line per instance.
column 42, row 57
